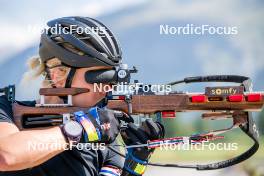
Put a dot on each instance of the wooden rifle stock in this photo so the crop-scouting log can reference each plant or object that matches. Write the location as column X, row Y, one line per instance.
column 141, row 104
column 20, row 112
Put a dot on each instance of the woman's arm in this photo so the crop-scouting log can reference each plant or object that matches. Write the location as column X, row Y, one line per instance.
column 25, row 149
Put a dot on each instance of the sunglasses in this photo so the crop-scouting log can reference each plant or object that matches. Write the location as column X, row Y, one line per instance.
column 117, row 75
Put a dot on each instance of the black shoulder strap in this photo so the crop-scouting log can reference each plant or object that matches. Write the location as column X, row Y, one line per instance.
column 250, row 129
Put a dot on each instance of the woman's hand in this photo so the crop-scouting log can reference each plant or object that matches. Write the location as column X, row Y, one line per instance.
column 137, row 158
column 99, row 124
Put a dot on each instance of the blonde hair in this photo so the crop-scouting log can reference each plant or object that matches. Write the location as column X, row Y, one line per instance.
column 37, row 68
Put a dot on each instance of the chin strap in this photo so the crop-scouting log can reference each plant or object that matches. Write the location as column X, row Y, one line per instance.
column 68, row 82
column 68, row 79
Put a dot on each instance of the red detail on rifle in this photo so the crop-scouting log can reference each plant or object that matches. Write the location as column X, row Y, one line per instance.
column 118, row 97
column 122, row 97
column 236, row 98
column 198, row 98
column 168, row 114
column 254, row 97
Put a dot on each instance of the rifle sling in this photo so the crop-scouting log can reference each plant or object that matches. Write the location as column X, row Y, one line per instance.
column 249, row 129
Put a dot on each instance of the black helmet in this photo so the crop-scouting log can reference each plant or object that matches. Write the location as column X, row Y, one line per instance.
column 96, row 43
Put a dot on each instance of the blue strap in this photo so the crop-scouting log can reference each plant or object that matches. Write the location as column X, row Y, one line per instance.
column 94, row 112
column 79, row 115
column 134, row 165
column 131, row 156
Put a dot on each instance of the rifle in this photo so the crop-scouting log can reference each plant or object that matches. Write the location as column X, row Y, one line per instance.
column 236, row 102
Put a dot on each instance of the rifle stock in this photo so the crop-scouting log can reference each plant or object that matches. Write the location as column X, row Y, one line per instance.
column 21, row 111
column 142, row 104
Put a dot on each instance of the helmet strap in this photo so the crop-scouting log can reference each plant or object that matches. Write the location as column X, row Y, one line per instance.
column 68, row 79
column 68, row 82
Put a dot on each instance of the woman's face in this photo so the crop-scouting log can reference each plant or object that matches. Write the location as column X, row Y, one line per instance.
column 90, row 98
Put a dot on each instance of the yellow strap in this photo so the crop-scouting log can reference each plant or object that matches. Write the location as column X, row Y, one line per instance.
column 140, row 169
